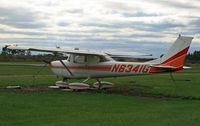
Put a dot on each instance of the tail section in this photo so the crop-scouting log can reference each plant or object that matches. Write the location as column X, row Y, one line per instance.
column 176, row 55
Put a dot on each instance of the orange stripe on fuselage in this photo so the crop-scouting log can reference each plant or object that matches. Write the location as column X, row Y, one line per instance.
column 105, row 68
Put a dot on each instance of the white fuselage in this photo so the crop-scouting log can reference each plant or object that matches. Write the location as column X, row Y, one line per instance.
column 98, row 69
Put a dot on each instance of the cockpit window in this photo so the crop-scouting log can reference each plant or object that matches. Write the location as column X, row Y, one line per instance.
column 103, row 59
column 96, row 59
column 79, row 59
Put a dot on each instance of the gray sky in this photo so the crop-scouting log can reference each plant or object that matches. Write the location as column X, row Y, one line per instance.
column 148, row 26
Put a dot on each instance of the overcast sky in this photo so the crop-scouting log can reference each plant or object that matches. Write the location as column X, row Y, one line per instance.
column 148, row 26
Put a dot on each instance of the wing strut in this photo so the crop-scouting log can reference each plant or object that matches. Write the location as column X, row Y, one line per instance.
column 66, row 68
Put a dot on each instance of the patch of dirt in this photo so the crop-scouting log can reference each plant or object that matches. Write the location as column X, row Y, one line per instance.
column 132, row 91
column 28, row 89
column 119, row 90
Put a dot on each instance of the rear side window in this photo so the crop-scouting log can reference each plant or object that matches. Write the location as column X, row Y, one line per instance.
column 79, row 59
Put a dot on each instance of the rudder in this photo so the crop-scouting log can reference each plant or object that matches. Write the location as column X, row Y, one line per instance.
column 176, row 54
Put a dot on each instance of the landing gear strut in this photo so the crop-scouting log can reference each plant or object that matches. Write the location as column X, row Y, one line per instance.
column 86, row 79
column 64, row 79
column 100, row 85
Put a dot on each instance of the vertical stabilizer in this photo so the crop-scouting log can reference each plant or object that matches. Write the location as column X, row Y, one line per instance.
column 176, row 55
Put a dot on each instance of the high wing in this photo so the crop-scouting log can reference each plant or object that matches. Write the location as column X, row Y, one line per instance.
column 123, row 53
column 77, row 51
column 58, row 50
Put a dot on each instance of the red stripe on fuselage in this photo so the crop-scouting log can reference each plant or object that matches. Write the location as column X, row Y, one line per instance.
column 105, row 68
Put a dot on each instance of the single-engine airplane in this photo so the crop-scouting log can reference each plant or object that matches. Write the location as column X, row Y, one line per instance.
column 85, row 64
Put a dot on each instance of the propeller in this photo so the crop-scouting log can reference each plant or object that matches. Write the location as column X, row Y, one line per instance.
column 40, row 69
column 47, row 62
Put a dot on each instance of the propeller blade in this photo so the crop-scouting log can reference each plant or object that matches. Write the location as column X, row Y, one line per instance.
column 47, row 62
column 41, row 68
column 66, row 68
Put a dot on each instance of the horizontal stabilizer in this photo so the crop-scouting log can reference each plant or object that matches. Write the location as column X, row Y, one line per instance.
column 186, row 67
column 163, row 67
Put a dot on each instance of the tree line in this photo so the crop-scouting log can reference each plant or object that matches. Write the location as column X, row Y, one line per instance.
column 25, row 55
column 193, row 58
column 7, row 55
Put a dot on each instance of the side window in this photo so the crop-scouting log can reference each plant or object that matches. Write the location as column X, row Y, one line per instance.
column 103, row 59
column 95, row 59
column 79, row 59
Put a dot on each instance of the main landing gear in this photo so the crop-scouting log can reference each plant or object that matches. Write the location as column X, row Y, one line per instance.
column 81, row 86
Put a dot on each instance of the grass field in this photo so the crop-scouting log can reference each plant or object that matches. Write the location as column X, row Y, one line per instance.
column 100, row 108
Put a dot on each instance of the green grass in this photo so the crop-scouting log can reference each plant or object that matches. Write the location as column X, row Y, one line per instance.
column 187, row 80
column 83, row 109
column 20, row 62
column 23, row 70
column 22, row 75
column 97, row 109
